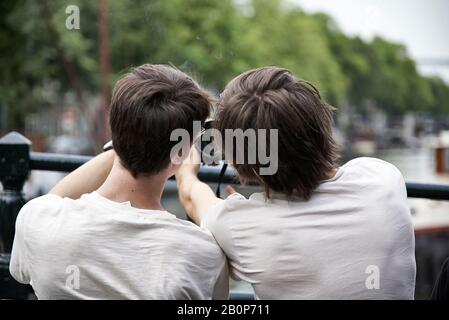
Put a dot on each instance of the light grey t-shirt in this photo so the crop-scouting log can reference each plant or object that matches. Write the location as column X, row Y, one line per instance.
column 94, row 248
column 353, row 239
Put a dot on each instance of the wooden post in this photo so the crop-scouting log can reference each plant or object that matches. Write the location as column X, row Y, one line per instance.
column 105, row 69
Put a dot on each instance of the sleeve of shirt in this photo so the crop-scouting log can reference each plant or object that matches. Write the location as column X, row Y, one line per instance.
column 18, row 266
column 217, row 221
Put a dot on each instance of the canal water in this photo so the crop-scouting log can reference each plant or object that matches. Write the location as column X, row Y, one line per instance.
column 418, row 165
column 432, row 248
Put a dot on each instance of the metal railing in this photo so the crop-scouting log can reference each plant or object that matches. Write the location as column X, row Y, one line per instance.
column 67, row 163
column 17, row 160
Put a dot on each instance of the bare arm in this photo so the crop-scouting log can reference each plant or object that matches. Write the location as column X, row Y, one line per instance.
column 195, row 196
column 87, row 178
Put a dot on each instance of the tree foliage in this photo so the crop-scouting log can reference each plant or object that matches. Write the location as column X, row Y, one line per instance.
column 213, row 40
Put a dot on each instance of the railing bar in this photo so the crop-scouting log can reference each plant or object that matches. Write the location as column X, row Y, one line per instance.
column 67, row 163
column 56, row 162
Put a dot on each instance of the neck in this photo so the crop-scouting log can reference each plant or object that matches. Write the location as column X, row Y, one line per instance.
column 143, row 192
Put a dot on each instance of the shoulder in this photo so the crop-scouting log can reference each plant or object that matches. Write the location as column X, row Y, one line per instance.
column 44, row 201
column 41, row 209
column 374, row 174
column 369, row 162
column 200, row 240
column 225, row 211
column 48, row 201
column 373, row 166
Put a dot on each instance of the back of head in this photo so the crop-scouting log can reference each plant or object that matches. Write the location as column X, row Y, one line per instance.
column 147, row 105
column 272, row 98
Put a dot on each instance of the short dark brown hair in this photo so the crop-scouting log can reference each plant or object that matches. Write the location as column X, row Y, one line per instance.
column 147, row 104
column 272, row 98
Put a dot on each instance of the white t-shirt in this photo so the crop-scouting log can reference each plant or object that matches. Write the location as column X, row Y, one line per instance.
column 94, row 248
column 353, row 239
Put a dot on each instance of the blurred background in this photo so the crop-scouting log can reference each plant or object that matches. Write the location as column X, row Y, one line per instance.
column 383, row 64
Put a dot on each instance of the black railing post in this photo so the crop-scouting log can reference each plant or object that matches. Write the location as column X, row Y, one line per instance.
column 14, row 169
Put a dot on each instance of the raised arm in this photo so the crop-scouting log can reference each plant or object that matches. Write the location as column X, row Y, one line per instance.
column 87, row 178
column 195, row 196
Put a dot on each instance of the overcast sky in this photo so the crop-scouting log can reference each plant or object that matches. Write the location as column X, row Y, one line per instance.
column 422, row 25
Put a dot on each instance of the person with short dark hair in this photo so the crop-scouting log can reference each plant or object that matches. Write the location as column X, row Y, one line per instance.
column 102, row 233
column 319, row 230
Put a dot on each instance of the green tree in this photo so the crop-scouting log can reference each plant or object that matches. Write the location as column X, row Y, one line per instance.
column 287, row 37
column 212, row 40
